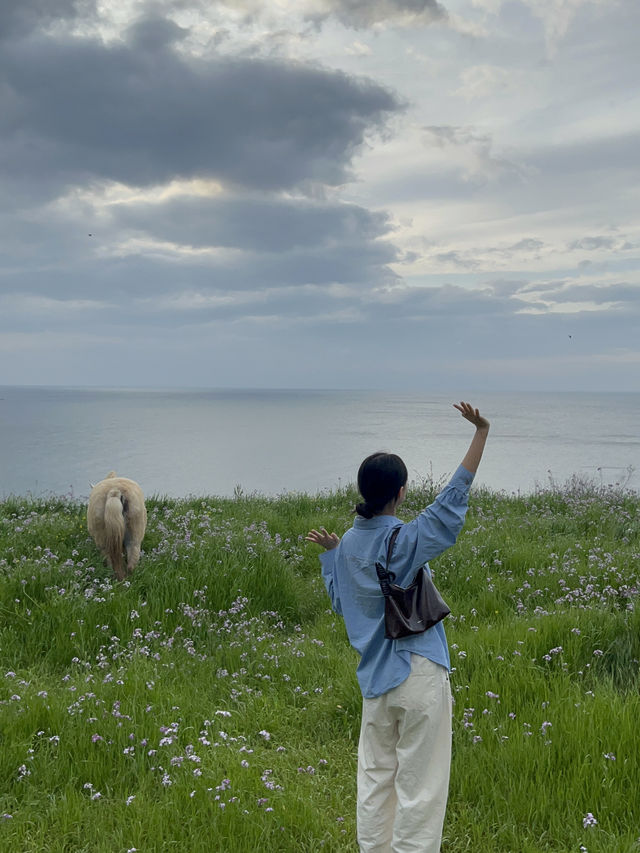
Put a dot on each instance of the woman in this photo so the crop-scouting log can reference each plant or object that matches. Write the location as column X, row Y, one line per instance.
column 404, row 753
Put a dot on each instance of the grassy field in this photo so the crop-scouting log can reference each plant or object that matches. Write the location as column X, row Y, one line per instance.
column 210, row 704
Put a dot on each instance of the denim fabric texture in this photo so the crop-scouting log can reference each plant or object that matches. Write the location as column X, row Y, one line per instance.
column 350, row 577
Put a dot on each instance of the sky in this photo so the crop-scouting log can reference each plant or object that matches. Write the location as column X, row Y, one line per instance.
column 390, row 194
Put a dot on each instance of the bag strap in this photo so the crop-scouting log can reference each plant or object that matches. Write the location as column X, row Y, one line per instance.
column 384, row 575
column 390, row 546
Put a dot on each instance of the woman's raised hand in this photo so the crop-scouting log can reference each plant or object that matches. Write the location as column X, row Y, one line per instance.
column 472, row 415
column 321, row 537
column 476, row 448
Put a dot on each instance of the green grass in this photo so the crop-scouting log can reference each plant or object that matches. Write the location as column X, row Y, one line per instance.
column 210, row 703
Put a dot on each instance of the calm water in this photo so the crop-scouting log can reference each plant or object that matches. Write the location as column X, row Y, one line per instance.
column 178, row 443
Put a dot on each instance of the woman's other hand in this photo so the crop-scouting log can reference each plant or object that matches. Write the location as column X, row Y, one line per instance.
column 321, row 537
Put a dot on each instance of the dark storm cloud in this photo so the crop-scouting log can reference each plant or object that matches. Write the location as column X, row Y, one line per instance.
column 354, row 260
column 18, row 17
column 156, row 296
column 193, row 242
column 140, row 113
column 256, row 224
column 79, row 112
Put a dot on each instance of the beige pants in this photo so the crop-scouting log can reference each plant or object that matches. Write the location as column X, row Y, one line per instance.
column 404, row 757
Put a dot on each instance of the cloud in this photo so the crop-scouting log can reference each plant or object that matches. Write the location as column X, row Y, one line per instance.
column 257, row 224
column 557, row 17
column 261, row 215
column 619, row 295
column 473, row 152
column 154, row 33
column 592, row 244
column 190, row 238
column 141, row 113
column 52, row 342
column 356, row 48
column 44, row 305
column 481, row 81
column 18, row 17
column 457, row 259
column 354, row 14
column 320, row 335
column 614, row 154
column 527, row 244
column 361, row 14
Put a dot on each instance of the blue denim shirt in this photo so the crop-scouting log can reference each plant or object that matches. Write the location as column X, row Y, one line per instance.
column 350, row 577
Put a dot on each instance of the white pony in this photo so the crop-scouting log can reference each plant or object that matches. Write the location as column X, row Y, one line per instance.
column 117, row 519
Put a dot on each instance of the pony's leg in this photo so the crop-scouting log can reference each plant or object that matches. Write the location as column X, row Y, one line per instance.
column 133, row 552
column 118, row 568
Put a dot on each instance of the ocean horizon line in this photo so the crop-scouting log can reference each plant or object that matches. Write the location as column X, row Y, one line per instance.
column 314, row 389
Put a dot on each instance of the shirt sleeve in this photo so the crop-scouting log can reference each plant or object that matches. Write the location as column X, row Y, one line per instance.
column 328, row 563
column 437, row 527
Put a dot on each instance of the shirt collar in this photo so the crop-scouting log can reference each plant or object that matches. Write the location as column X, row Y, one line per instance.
column 376, row 522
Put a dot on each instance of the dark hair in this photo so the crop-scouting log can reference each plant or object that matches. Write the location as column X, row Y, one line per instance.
column 380, row 478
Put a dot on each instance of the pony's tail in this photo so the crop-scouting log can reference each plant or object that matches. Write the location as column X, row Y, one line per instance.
column 114, row 527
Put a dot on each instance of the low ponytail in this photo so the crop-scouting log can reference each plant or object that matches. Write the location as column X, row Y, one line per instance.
column 363, row 509
column 380, row 478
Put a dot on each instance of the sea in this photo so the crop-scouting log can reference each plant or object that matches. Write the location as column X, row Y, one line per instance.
column 185, row 442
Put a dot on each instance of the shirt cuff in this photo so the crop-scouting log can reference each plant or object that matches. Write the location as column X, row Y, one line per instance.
column 327, row 561
column 462, row 478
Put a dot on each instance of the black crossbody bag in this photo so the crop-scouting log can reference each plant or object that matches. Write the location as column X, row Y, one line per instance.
column 412, row 609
